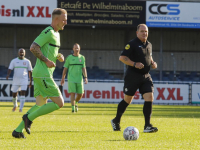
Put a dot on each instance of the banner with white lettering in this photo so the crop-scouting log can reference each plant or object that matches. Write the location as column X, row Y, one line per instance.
column 172, row 14
column 109, row 92
column 104, row 12
column 26, row 11
column 195, row 93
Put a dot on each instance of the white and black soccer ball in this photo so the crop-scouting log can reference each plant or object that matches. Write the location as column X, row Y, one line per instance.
column 131, row 133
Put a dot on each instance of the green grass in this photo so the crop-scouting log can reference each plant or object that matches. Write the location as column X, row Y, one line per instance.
column 90, row 128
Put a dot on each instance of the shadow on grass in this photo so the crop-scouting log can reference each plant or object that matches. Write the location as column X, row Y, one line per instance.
column 58, row 131
column 159, row 111
column 120, row 140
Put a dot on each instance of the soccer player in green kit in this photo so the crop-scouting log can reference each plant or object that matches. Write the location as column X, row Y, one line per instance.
column 45, row 47
column 75, row 64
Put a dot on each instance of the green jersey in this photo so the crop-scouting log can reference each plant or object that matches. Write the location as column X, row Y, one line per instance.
column 49, row 42
column 74, row 64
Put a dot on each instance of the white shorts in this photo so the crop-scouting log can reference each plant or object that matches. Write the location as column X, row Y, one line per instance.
column 16, row 88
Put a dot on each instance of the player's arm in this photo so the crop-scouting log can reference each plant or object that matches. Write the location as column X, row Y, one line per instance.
column 85, row 75
column 8, row 73
column 30, row 77
column 63, row 76
column 35, row 49
column 127, row 61
column 153, row 64
column 10, row 68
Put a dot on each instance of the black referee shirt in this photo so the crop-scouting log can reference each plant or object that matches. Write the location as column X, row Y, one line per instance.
column 137, row 51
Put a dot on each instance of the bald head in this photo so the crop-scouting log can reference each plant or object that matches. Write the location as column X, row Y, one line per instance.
column 142, row 32
column 21, row 49
column 138, row 27
column 58, row 12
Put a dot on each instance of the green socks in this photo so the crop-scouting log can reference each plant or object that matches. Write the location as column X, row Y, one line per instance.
column 21, row 125
column 37, row 111
column 43, row 110
column 73, row 108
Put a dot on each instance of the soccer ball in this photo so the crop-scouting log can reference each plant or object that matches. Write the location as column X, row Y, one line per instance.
column 131, row 133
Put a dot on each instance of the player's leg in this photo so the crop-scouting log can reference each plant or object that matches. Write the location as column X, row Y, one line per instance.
column 147, row 90
column 79, row 95
column 14, row 94
column 147, row 111
column 50, row 90
column 72, row 89
column 14, row 100
column 78, row 98
column 57, row 103
column 130, row 87
column 120, row 111
column 147, row 108
column 39, row 102
column 22, row 97
column 72, row 99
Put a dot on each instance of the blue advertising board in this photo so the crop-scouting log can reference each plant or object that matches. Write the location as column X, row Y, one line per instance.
column 172, row 14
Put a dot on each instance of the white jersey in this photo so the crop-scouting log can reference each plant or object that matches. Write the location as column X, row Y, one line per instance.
column 20, row 68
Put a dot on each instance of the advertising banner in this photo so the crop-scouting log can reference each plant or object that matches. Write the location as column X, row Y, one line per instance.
column 90, row 12
column 172, row 14
column 196, row 93
column 26, row 11
column 111, row 93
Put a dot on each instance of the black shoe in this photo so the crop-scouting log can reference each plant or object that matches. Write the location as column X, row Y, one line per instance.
column 18, row 134
column 27, row 123
column 150, row 129
column 73, row 111
column 115, row 125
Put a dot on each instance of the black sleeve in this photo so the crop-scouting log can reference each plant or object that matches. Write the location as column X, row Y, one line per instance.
column 127, row 50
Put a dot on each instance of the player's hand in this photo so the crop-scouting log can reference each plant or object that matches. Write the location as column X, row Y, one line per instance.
column 60, row 57
column 50, row 64
column 86, row 80
column 139, row 65
column 62, row 81
column 7, row 77
column 153, row 65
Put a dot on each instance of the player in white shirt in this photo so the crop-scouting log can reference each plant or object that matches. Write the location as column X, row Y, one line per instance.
column 22, row 68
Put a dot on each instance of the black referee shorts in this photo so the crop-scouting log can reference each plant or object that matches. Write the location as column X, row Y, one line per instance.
column 134, row 81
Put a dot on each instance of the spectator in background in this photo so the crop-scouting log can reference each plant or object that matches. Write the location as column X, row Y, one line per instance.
column 22, row 69
column 75, row 65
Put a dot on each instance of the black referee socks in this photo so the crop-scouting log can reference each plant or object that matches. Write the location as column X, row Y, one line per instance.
column 147, row 110
column 120, row 110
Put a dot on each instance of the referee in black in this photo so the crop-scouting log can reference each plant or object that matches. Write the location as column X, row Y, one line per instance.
column 137, row 55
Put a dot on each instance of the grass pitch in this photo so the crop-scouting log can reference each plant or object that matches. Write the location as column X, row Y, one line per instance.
column 90, row 128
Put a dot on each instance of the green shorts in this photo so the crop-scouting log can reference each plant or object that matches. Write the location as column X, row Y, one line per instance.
column 46, row 87
column 75, row 88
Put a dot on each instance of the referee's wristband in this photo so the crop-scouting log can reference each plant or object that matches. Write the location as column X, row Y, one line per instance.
column 134, row 64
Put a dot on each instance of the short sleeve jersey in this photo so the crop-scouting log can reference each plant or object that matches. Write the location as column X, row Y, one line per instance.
column 49, row 42
column 74, row 64
column 20, row 68
column 137, row 51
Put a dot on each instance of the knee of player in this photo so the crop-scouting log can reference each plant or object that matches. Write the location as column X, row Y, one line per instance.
column 148, row 97
column 61, row 104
